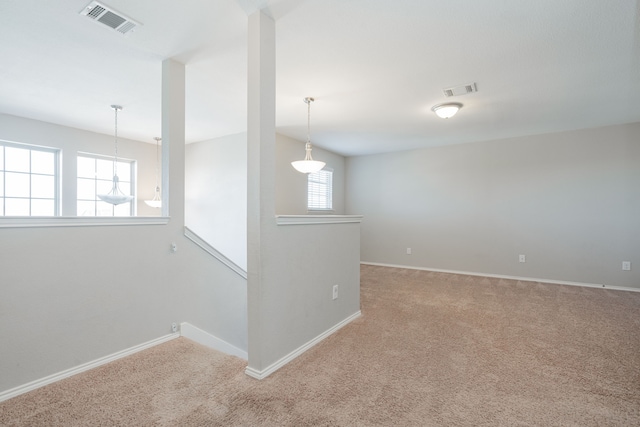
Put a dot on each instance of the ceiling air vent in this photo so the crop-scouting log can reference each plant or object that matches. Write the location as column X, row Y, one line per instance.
column 100, row 13
column 460, row 90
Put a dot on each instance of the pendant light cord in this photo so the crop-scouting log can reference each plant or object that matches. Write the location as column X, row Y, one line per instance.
column 308, row 100
column 157, row 163
column 307, row 147
column 115, row 162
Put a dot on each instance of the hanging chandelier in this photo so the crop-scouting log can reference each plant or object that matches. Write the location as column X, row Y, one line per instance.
column 115, row 196
column 308, row 165
column 156, row 202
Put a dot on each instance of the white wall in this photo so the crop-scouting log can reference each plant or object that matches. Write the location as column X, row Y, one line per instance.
column 71, row 141
column 216, row 194
column 291, row 185
column 569, row 201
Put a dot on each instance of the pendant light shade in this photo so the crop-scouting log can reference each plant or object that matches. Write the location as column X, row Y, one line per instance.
column 308, row 165
column 156, row 202
column 115, row 196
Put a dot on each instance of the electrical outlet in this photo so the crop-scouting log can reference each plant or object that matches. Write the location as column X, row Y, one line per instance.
column 335, row 291
column 522, row 258
column 626, row 265
column 174, row 327
column 408, row 251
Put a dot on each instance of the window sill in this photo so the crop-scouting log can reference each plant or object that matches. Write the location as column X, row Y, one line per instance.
column 320, row 211
column 60, row 221
column 317, row 219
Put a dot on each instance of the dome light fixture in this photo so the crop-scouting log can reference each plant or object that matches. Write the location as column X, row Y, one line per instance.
column 447, row 110
column 308, row 165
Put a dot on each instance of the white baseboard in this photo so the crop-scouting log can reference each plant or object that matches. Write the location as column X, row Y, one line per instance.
column 500, row 276
column 289, row 357
column 8, row 394
column 196, row 334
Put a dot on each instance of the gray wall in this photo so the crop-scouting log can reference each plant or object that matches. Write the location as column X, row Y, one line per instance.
column 291, row 185
column 569, row 201
column 216, row 189
column 296, row 306
column 216, row 194
column 26, row 131
column 71, row 295
column 292, row 268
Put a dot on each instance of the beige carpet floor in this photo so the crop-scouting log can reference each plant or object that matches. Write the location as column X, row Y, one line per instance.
column 431, row 349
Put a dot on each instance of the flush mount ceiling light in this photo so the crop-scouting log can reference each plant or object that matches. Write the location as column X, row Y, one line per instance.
column 156, row 202
column 115, row 196
column 446, row 110
column 308, row 165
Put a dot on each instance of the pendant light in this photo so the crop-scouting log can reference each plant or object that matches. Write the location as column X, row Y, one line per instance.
column 115, row 196
column 156, row 202
column 308, row 165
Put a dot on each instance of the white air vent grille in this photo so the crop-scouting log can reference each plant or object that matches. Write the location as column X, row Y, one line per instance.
column 109, row 17
column 460, row 90
column 95, row 12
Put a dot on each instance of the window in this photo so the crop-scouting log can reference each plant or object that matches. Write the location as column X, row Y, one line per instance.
column 28, row 180
column 319, row 190
column 95, row 176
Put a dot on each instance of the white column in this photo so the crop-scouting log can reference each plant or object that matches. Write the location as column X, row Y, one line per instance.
column 261, row 130
column 173, row 107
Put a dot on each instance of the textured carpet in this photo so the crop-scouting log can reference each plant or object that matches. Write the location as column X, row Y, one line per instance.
column 431, row 349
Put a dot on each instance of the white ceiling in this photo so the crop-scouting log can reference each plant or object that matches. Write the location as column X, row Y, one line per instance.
column 375, row 67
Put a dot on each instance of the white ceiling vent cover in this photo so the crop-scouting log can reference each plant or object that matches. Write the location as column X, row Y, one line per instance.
column 460, row 90
column 100, row 13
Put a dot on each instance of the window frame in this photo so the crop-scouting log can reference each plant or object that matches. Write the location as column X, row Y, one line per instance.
column 329, row 186
column 133, row 169
column 63, row 220
column 57, row 193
